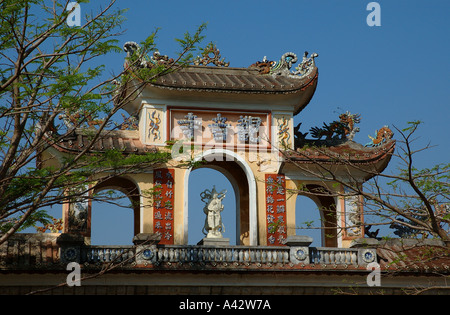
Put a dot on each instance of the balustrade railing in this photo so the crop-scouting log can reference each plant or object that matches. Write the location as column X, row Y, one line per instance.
column 223, row 254
column 333, row 256
column 227, row 254
column 107, row 254
column 44, row 249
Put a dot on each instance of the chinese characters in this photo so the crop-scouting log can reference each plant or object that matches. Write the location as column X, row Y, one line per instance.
column 163, row 180
column 276, row 209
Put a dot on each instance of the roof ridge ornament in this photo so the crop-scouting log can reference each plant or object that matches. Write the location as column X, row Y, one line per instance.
column 381, row 136
column 306, row 65
column 343, row 129
column 144, row 60
column 209, row 55
column 284, row 65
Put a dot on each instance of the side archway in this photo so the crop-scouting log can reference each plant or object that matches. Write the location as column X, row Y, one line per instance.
column 308, row 219
column 326, row 205
column 116, row 212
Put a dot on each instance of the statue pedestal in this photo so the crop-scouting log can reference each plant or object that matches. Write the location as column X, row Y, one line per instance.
column 299, row 240
column 214, row 241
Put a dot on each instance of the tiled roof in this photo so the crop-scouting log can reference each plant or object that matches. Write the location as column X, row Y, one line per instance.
column 348, row 151
column 126, row 141
column 414, row 256
column 241, row 80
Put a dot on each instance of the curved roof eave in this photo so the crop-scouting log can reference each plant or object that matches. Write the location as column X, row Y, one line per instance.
column 370, row 161
column 241, row 81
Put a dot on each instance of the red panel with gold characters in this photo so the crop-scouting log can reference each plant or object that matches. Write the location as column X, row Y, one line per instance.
column 163, row 181
column 276, row 209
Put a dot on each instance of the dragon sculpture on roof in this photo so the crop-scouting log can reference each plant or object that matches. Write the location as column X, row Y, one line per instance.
column 344, row 128
column 284, row 65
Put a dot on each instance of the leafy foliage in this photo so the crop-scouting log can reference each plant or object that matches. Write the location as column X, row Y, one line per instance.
column 52, row 82
column 414, row 202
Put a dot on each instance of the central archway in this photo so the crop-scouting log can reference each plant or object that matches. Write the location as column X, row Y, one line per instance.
column 241, row 177
column 203, row 178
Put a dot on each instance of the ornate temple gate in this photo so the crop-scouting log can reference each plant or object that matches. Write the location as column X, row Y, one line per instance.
column 239, row 121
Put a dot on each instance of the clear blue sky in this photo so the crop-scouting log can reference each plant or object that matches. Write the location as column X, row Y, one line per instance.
column 391, row 74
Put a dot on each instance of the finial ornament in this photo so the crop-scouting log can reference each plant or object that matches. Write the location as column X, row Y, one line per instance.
column 209, row 55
